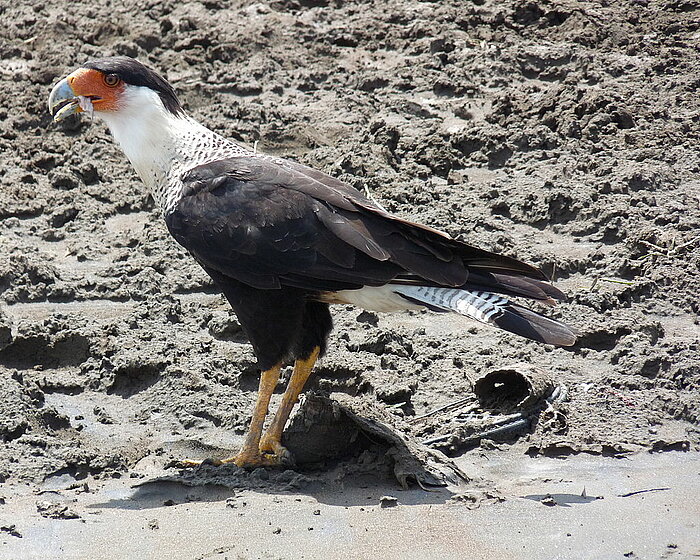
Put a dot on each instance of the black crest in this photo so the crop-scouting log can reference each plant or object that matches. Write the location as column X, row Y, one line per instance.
column 134, row 73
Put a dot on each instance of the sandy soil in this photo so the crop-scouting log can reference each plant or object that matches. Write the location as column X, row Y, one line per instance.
column 563, row 133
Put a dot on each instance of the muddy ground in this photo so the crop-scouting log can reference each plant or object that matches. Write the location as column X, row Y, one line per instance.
column 563, row 133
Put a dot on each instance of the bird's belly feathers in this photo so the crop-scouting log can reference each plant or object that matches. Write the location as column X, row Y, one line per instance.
column 373, row 298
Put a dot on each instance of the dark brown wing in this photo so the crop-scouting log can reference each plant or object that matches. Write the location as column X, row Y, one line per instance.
column 269, row 222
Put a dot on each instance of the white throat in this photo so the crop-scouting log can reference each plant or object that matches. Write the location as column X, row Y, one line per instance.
column 160, row 145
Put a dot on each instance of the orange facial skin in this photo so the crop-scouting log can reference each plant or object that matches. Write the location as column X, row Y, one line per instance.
column 95, row 85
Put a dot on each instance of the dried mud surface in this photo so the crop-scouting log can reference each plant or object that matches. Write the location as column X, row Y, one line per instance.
column 563, row 133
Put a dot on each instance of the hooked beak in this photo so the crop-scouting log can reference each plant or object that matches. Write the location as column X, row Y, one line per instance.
column 63, row 101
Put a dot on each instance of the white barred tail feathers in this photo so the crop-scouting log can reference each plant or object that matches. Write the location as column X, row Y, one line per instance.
column 492, row 309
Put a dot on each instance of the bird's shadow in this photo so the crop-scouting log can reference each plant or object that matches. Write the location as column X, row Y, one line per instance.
column 565, row 500
column 365, row 491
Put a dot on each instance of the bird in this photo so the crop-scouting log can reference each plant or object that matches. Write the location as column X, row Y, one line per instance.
column 283, row 241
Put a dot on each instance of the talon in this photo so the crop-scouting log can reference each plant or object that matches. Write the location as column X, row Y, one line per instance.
column 272, row 448
column 282, row 457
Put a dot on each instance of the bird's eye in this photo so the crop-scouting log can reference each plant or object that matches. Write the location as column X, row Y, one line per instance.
column 111, row 80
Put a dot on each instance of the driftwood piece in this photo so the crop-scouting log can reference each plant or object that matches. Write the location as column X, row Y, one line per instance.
column 327, row 429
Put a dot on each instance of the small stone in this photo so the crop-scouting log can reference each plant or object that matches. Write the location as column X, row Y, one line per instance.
column 548, row 500
column 55, row 511
column 368, row 317
column 64, row 180
column 277, row 530
column 388, row 501
column 102, row 416
column 53, row 235
column 11, row 530
column 62, row 215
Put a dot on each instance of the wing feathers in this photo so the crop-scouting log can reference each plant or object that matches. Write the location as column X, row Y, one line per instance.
column 270, row 223
column 351, row 232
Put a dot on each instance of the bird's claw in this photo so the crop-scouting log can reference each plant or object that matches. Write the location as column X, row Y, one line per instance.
column 271, row 447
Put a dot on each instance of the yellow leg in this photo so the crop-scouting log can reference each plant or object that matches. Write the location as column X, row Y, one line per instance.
column 271, row 442
column 250, row 455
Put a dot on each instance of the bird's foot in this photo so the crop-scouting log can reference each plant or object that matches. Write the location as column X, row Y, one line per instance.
column 280, row 458
column 272, row 448
column 246, row 460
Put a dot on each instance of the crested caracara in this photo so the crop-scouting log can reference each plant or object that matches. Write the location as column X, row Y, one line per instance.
column 282, row 241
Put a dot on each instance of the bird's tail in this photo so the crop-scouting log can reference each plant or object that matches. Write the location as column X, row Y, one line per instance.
column 492, row 309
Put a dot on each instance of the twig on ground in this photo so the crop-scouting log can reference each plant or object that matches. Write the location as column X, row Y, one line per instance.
column 453, row 404
column 628, row 494
column 612, row 280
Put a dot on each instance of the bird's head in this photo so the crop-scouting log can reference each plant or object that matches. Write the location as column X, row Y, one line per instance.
column 111, row 87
